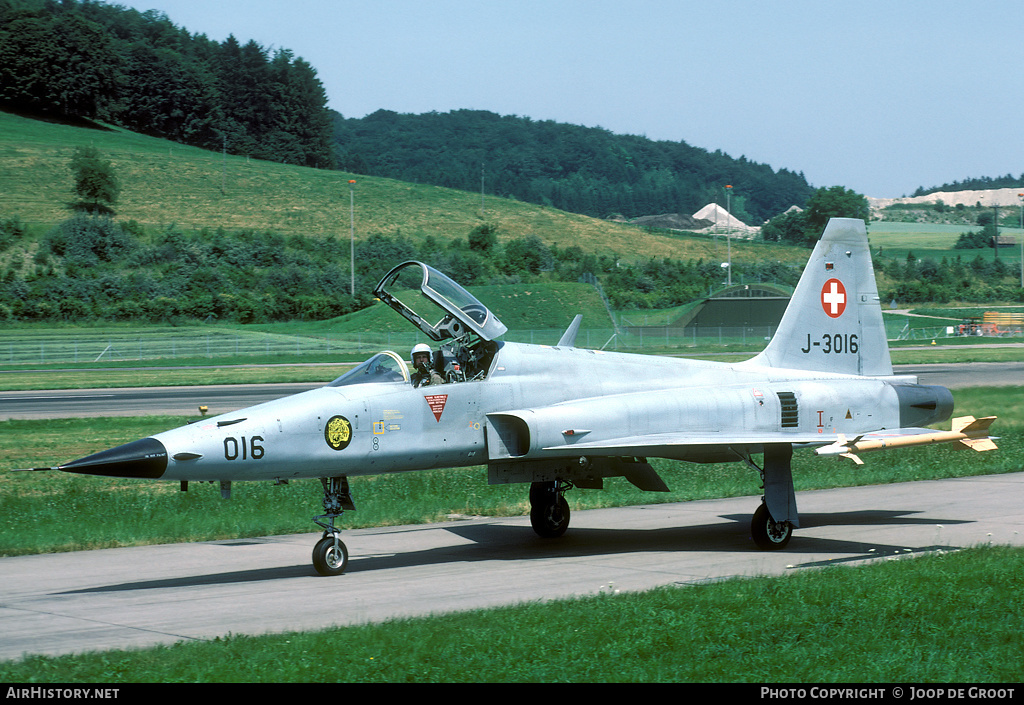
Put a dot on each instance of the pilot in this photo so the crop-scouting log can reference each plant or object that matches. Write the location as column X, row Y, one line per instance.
column 424, row 374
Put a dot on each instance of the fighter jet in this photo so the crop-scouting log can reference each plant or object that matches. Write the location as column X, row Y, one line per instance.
column 561, row 416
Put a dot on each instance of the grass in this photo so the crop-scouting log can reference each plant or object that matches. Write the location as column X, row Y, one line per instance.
column 935, row 241
column 226, row 372
column 948, row 618
column 323, row 368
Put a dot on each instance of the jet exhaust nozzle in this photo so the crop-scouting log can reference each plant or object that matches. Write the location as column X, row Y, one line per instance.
column 923, row 404
column 145, row 458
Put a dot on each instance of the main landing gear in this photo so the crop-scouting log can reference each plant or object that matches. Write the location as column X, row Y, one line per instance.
column 549, row 512
column 330, row 555
column 768, row 534
column 772, row 525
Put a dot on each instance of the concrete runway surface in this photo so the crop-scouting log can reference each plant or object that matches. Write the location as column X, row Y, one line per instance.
column 137, row 597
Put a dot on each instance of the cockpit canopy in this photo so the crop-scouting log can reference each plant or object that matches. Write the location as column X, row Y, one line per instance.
column 425, row 288
column 385, row 366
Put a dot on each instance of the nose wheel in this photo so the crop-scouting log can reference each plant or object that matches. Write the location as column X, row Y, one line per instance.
column 330, row 555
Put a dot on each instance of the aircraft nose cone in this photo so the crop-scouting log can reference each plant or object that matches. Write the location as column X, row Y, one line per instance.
column 143, row 458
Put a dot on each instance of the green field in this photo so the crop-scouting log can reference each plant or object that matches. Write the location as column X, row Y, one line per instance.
column 535, row 313
column 165, row 183
column 935, row 241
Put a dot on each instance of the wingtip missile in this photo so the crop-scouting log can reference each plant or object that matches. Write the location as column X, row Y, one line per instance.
column 965, row 431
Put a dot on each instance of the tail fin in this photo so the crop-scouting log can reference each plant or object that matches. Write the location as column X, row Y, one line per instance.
column 834, row 321
column 568, row 338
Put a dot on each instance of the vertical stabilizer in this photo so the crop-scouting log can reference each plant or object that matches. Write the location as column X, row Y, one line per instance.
column 834, row 321
column 568, row 338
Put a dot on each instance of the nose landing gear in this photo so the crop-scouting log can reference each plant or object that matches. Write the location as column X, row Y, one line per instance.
column 330, row 555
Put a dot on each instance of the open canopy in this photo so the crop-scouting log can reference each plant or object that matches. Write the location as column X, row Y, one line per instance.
column 414, row 284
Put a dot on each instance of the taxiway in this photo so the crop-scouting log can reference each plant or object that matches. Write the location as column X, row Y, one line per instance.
column 138, row 597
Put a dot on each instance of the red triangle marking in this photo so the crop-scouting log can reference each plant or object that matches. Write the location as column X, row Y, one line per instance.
column 436, row 403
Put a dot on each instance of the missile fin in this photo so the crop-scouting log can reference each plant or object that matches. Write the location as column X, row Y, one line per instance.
column 968, row 425
column 978, row 444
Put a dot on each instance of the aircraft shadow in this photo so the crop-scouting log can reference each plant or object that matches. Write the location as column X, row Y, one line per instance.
column 495, row 541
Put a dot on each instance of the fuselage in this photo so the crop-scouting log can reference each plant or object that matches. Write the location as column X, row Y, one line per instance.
column 539, row 402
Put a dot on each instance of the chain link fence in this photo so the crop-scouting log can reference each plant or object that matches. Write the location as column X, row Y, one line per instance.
column 77, row 347
column 24, row 347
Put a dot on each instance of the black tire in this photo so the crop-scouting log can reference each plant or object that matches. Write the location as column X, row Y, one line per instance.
column 550, row 518
column 327, row 560
column 768, row 534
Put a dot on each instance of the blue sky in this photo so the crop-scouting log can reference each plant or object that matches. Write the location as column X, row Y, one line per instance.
column 877, row 96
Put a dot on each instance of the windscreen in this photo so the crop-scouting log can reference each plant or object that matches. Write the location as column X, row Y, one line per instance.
column 383, row 367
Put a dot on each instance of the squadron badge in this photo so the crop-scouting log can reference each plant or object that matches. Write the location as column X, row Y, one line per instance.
column 338, row 432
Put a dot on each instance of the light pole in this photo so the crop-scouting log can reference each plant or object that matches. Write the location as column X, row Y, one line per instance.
column 1021, row 197
column 728, row 228
column 224, row 166
column 352, row 230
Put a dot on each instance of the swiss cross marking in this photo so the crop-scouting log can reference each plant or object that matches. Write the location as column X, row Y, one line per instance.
column 833, row 298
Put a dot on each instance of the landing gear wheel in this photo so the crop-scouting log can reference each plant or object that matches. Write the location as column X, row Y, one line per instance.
column 768, row 534
column 549, row 512
column 330, row 556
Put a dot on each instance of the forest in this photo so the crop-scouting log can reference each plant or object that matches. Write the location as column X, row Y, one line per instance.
column 146, row 74
column 585, row 170
column 982, row 183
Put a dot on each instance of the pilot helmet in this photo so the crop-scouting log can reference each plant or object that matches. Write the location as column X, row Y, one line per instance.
column 420, row 348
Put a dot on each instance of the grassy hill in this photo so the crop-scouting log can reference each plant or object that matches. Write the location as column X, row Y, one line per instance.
column 547, row 306
column 165, row 183
column 197, row 192
column 936, row 240
column 540, row 306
